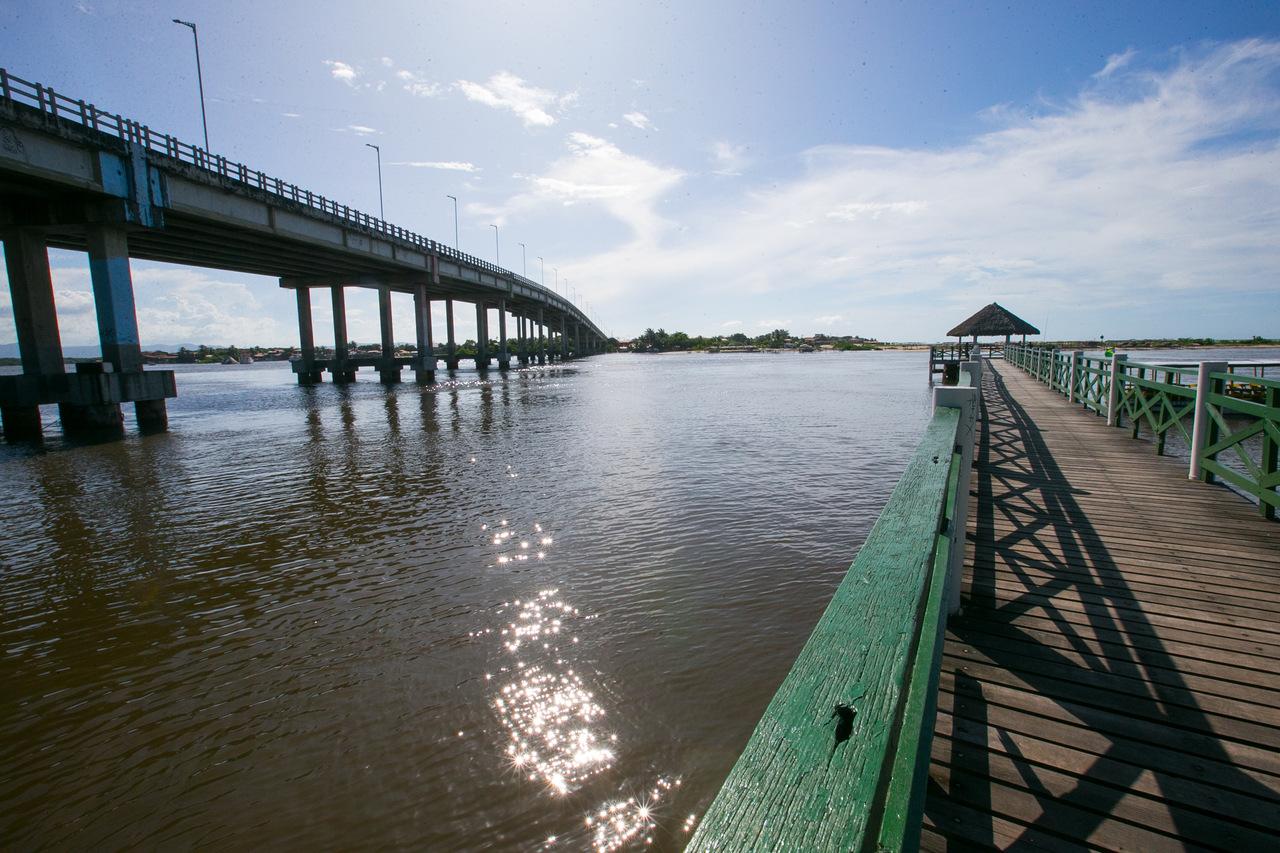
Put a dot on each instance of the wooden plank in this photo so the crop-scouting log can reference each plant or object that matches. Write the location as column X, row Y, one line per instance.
column 1115, row 677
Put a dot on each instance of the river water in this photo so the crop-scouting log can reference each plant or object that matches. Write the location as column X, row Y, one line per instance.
column 535, row 611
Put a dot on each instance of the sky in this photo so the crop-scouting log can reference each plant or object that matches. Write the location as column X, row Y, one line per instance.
column 880, row 169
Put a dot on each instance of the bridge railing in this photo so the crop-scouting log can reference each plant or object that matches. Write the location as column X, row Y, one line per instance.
column 58, row 106
column 1227, row 419
column 840, row 759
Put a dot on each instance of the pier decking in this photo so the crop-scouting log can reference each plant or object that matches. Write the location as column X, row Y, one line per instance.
column 1114, row 679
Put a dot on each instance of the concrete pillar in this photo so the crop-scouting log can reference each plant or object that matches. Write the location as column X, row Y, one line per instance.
column 482, row 336
column 542, row 338
column 388, row 370
column 424, row 370
column 577, row 340
column 113, row 298
column 522, row 344
column 564, row 337
column 451, row 344
column 341, row 370
column 504, row 358
column 307, row 372
column 26, row 257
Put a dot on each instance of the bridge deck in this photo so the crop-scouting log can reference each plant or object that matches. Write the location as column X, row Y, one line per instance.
column 1115, row 677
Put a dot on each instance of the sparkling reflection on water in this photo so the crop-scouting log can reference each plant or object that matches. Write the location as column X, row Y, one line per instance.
column 536, row 611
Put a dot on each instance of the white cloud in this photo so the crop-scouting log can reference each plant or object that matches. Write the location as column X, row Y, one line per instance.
column 418, row 86
column 387, row 62
column 638, row 120
column 1157, row 186
column 342, row 71
column 855, row 210
column 446, row 165
column 1115, row 62
column 597, row 172
column 291, row 115
column 360, row 129
column 728, row 159
column 506, row 91
column 828, row 320
column 729, row 324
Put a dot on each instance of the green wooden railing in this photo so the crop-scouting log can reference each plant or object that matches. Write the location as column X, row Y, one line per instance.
column 840, row 758
column 1259, row 477
column 1212, row 407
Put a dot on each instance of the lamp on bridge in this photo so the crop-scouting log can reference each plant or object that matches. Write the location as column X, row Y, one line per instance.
column 199, row 79
column 382, row 214
column 455, row 221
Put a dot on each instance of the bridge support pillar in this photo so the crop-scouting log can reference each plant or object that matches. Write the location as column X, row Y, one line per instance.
column 424, row 368
column 577, row 341
column 341, row 369
column 542, row 338
column 451, row 344
column 522, row 346
column 89, row 399
column 308, row 373
column 482, row 337
column 26, row 256
column 564, row 338
column 504, row 357
column 388, row 370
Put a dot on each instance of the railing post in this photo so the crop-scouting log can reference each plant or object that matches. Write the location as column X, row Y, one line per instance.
column 966, row 400
column 1055, row 358
column 1113, row 389
column 1072, row 378
column 1270, row 458
column 1200, row 420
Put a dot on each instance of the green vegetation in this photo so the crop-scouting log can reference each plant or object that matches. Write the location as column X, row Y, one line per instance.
column 663, row 341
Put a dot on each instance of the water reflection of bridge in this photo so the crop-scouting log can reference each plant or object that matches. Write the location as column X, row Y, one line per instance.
column 75, row 177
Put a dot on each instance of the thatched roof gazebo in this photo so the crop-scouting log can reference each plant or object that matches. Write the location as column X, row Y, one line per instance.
column 994, row 320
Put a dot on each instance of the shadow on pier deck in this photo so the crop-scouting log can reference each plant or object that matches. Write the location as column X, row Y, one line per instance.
column 1114, row 681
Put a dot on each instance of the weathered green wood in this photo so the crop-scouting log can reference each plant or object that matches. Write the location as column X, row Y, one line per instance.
column 903, row 811
column 794, row 787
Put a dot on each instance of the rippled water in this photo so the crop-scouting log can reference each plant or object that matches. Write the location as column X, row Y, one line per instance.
column 541, row 610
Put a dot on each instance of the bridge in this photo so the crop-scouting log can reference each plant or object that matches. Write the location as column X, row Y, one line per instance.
column 74, row 176
column 1053, row 637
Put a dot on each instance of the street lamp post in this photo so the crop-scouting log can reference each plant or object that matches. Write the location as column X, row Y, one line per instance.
column 524, row 262
column 455, row 222
column 199, row 79
column 556, row 270
column 497, row 260
column 544, row 270
column 382, row 213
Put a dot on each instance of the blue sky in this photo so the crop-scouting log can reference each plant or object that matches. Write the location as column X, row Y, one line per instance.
column 880, row 168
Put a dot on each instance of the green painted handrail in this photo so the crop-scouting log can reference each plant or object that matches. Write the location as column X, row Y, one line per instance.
column 840, row 758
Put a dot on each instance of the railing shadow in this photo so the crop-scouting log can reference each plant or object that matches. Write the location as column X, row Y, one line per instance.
column 1035, row 549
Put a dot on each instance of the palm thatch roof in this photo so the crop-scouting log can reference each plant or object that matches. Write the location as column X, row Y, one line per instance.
column 993, row 320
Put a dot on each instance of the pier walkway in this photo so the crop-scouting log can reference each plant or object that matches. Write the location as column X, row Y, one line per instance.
column 1114, row 678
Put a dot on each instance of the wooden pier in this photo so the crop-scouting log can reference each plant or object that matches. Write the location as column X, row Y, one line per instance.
column 1114, row 678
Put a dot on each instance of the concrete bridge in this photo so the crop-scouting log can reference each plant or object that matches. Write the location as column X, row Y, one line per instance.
column 73, row 176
